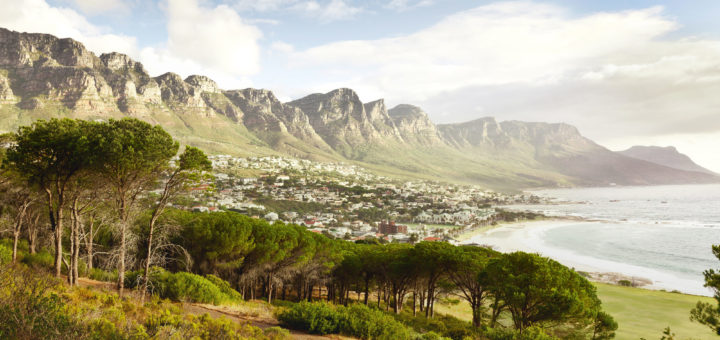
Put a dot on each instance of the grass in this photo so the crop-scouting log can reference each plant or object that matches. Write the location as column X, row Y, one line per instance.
column 645, row 313
column 639, row 312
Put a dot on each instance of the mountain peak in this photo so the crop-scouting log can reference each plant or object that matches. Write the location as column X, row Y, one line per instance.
column 668, row 156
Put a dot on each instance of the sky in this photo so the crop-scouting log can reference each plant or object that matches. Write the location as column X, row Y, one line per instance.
column 626, row 73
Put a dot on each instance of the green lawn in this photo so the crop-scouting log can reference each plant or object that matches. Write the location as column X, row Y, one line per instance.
column 645, row 313
column 639, row 313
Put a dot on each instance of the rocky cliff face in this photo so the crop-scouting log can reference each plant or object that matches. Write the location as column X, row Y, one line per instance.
column 483, row 132
column 414, row 126
column 342, row 120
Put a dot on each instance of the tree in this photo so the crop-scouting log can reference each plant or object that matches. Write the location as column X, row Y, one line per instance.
column 218, row 242
column 191, row 165
column 134, row 155
column 604, row 326
column 433, row 260
column 540, row 291
column 705, row 313
column 467, row 264
column 49, row 155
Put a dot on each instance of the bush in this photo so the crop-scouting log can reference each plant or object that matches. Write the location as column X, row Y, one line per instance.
column 365, row 323
column 357, row 320
column 183, row 286
column 531, row 333
column 5, row 254
column 224, row 286
column 30, row 310
column 625, row 283
column 314, row 317
column 431, row 336
column 103, row 275
column 443, row 325
column 276, row 333
column 41, row 259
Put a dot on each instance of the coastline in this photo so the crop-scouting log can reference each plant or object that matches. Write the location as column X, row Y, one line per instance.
column 527, row 236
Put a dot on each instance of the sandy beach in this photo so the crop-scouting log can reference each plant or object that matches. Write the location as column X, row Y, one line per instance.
column 529, row 237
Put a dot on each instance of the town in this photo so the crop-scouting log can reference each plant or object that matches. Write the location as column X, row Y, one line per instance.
column 349, row 202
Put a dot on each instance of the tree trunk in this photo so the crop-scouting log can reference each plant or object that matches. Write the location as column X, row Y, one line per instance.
column 89, row 240
column 75, row 243
column 146, row 273
column 121, row 263
column 367, row 290
column 16, row 236
column 476, row 312
column 414, row 302
column 56, row 224
column 32, row 234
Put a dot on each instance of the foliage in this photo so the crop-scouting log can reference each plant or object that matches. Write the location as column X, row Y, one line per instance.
column 357, row 320
column 316, row 318
column 183, row 286
column 705, row 313
column 29, row 309
column 531, row 333
column 625, row 283
column 443, row 325
column 538, row 290
column 5, row 254
column 41, row 259
column 604, row 326
column 103, row 275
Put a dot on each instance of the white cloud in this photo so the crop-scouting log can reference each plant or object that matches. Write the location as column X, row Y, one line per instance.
column 493, row 44
column 325, row 11
column 92, row 7
column 210, row 41
column 404, row 5
column 262, row 5
column 36, row 16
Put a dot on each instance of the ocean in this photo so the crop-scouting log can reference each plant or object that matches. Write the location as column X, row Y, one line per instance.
column 663, row 233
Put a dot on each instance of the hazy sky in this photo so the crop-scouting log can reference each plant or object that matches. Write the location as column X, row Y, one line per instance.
column 624, row 72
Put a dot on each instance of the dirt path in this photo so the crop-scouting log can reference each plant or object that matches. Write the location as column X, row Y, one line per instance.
column 253, row 317
column 257, row 321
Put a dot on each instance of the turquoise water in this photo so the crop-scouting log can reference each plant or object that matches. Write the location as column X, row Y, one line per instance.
column 660, row 231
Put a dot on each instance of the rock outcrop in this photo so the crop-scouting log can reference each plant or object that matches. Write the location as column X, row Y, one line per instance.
column 341, row 119
column 414, row 125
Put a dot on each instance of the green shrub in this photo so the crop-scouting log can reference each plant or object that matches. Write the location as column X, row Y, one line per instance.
column 443, row 325
column 132, row 278
column 276, row 333
column 625, row 283
column 531, row 333
column 5, row 254
column 366, row 323
column 41, row 259
column 357, row 320
column 22, row 244
column 314, row 317
column 103, row 275
column 225, row 287
column 183, row 286
column 29, row 309
column 431, row 336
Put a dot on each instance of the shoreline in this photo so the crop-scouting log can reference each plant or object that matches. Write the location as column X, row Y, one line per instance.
column 527, row 236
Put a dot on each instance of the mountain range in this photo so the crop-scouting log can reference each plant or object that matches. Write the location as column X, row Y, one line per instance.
column 42, row 76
